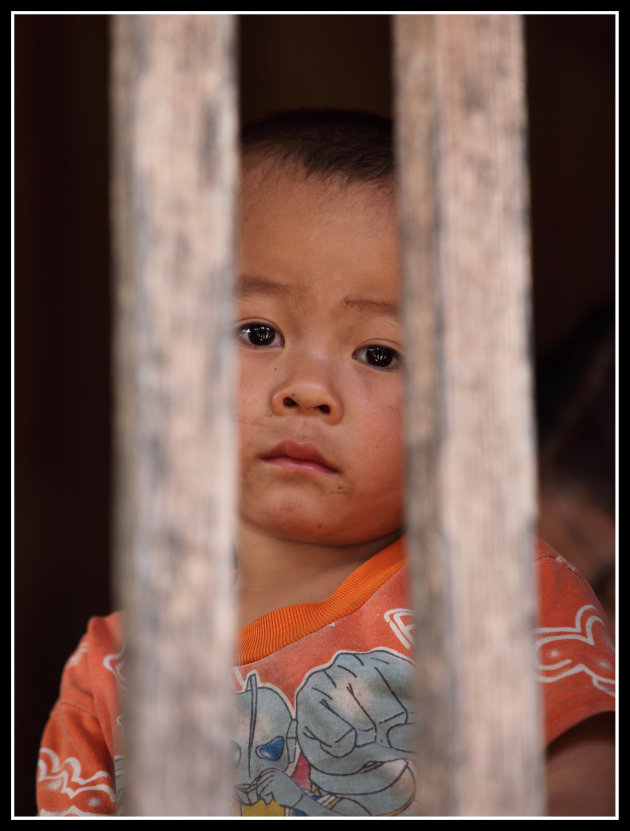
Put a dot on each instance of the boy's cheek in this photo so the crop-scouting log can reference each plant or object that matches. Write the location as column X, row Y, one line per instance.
column 383, row 432
column 249, row 394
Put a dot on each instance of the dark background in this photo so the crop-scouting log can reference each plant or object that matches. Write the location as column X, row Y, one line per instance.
column 62, row 318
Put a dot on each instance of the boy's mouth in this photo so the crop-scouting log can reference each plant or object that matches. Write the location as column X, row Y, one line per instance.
column 298, row 456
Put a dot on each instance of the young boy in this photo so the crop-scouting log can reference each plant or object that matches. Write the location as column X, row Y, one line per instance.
column 323, row 675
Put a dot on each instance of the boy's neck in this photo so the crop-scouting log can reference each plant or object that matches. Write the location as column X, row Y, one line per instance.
column 274, row 573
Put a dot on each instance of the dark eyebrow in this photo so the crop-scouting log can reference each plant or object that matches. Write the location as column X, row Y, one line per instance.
column 370, row 306
column 248, row 285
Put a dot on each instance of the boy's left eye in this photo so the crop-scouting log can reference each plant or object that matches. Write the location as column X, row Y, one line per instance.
column 381, row 357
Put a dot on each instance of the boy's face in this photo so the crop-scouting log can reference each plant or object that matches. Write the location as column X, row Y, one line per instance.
column 319, row 349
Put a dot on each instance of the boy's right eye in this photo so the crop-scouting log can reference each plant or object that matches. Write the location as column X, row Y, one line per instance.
column 259, row 334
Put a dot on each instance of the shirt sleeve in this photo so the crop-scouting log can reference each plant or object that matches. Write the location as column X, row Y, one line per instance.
column 79, row 770
column 575, row 656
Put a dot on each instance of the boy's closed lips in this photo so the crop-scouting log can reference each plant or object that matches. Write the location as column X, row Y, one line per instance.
column 299, row 456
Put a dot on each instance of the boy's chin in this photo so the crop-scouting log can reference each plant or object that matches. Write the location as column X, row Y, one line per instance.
column 317, row 532
column 310, row 520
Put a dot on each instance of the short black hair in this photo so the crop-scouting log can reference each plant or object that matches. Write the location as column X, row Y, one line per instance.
column 353, row 145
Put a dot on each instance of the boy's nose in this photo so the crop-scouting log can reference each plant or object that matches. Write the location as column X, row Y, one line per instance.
column 307, row 396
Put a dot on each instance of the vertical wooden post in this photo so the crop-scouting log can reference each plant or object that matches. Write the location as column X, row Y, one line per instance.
column 471, row 504
column 174, row 112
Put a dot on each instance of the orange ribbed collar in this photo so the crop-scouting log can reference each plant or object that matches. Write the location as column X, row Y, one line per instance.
column 281, row 627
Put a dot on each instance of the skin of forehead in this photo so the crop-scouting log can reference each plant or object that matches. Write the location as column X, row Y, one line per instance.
column 259, row 172
column 335, row 198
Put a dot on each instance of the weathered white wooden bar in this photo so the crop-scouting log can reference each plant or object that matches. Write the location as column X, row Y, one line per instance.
column 174, row 183
column 460, row 107
column 461, row 130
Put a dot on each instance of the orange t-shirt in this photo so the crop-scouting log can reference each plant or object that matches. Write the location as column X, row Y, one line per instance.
column 324, row 715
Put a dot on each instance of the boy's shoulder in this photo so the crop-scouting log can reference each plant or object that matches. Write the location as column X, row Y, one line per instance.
column 97, row 664
column 560, row 586
column 104, row 634
column 574, row 648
